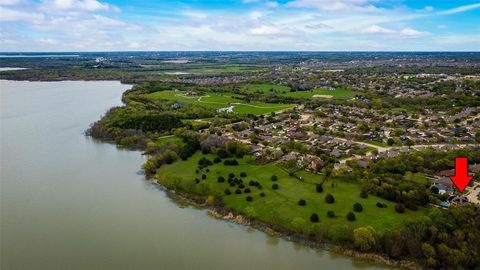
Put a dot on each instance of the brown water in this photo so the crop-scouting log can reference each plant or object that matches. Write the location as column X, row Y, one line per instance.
column 68, row 202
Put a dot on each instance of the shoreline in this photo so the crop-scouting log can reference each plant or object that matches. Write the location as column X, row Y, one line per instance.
column 225, row 214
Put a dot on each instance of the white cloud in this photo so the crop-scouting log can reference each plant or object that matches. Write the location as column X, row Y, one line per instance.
column 9, row 2
column 391, row 33
column 77, row 5
column 265, row 30
column 340, row 5
column 12, row 15
column 460, row 9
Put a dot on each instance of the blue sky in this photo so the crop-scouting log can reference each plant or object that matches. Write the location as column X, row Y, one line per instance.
column 287, row 25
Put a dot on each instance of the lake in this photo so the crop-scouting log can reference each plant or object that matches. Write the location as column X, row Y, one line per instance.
column 70, row 202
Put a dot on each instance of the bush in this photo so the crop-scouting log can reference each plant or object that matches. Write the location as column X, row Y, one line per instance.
column 221, row 179
column 381, row 205
column 331, row 214
column 351, row 216
column 329, row 198
column 275, row 186
column 262, row 194
column 242, row 174
column 230, row 162
column 249, row 198
column 227, row 192
column 400, row 208
column 411, row 205
column 314, row 218
column 204, row 176
column 238, row 191
column 247, row 190
column 274, row 178
column 363, row 194
column 319, row 188
column 302, row 202
column 217, row 160
column 357, row 207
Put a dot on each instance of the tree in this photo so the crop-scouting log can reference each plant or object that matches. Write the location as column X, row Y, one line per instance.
column 329, row 198
column 351, row 216
column 390, row 141
column 357, row 207
column 364, row 238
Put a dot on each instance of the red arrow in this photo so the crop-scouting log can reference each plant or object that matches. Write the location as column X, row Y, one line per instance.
column 461, row 177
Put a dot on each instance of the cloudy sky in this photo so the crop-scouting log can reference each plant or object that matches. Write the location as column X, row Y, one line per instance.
column 313, row 25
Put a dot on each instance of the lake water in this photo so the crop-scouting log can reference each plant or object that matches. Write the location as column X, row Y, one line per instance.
column 68, row 202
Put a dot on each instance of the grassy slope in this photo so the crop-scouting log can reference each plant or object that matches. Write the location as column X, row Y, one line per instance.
column 280, row 206
column 217, row 101
column 266, row 88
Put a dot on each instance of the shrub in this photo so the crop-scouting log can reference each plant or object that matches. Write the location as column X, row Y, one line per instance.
column 249, row 198
column 274, row 178
column 331, row 214
column 247, row 190
column 227, row 192
column 329, row 198
column 217, row 160
column 400, row 208
column 319, row 188
column 242, row 174
column 221, row 179
column 251, row 183
column 230, row 162
column 381, row 205
column 204, row 176
column 238, row 191
column 357, row 207
column 411, row 205
column 262, row 194
column 363, row 194
column 275, row 186
column 351, row 216
column 314, row 218
column 302, row 202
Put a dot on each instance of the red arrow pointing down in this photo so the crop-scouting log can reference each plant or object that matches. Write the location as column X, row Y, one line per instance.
column 461, row 177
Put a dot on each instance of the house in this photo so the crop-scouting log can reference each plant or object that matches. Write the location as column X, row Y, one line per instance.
column 444, row 185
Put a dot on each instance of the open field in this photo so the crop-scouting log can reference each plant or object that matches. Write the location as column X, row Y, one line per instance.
column 285, row 91
column 281, row 206
column 322, row 93
column 220, row 100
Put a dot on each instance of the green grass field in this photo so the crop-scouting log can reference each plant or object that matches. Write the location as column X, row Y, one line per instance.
column 220, row 100
column 336, row 94
column 285, row 91
column 281, row 206
column 266, row 88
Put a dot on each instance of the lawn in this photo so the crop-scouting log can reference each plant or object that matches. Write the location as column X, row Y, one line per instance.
column 322, row 93
column 220, row 100
column 281, row 206
column 266, row 88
